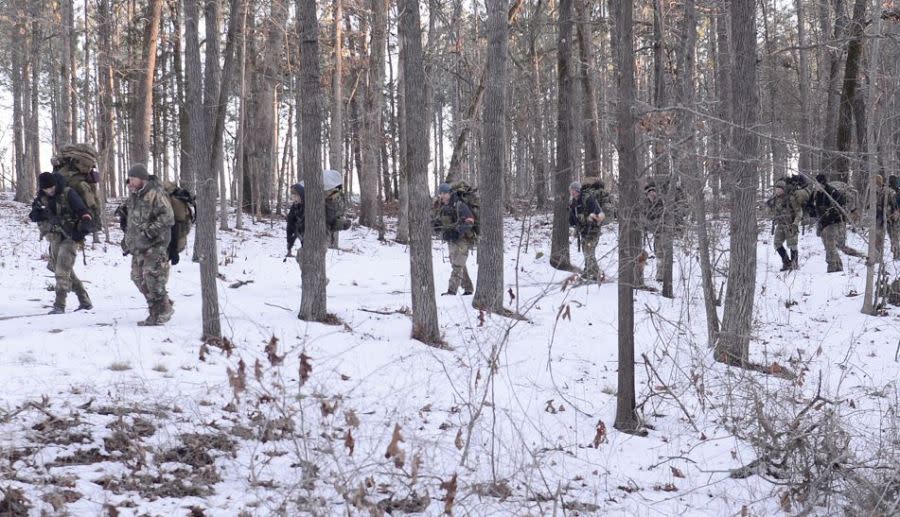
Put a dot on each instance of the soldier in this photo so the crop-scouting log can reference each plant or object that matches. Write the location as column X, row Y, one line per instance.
column 893, row 223
column 586, row 215
column 787, row 213
column 828, row 203
column 456, row 223
column 295, row 220
column 64, row 220
column 885, row 204
column 150, row 220
column 653, row 212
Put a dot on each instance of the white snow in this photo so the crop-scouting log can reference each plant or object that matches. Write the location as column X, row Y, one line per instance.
column 554, row 379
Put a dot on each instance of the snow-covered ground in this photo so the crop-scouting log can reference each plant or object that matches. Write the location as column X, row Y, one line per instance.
column 98, row 413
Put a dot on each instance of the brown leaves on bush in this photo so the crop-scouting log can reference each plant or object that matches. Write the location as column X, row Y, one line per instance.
column 305, row 368
column 349, row 442
column 600, row 436
column 450, row 496
column 238, row 380
column 272, row 352
column 393, row 450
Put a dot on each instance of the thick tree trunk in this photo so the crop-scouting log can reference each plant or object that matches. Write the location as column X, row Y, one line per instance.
column 841, row 164
column 591, row 123
column 876, row 256
column 336, row 136
column 559, row 246
column 143, row 102
column 313, row 306
column 425, row 323
column 805, row 163
column 373, row 140
column 19, row 72
column 489, row 288
column 629, row 233
column 733, row 345
column 403, row 172
column 829, row 137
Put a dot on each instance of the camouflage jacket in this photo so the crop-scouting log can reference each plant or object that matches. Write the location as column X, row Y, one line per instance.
column 150, row 218
column 786, row 209
column 60, row 214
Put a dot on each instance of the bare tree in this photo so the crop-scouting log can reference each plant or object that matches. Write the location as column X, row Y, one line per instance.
column 489, row 289
column 425, row 323
column 373, row 142
column 143, row 103
column 336, row 141
column 733, row 345
column 313, row 306
column 559, row 245
column 629, row 233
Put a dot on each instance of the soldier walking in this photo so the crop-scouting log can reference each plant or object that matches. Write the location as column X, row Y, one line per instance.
column 456, row 222
column 64, row 220
column 586, row 215
column 149, row 230
column 787, row 213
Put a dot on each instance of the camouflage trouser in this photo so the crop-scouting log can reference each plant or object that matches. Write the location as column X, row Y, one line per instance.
column 150, row 273
column 834, row 236
column 459, row 253
column 63, row 253
column 589, row 248
column 786, row 233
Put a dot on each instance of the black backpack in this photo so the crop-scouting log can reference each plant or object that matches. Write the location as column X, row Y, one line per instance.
column 468, row 195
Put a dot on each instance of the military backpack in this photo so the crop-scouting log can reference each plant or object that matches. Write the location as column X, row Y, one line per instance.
column 184, row 209
column 77, row 163
column 468, row 195
column 593, row 187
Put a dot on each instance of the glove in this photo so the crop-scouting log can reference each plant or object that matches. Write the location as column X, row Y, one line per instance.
column 85, row 226
column 452, row 235
column 174, row 258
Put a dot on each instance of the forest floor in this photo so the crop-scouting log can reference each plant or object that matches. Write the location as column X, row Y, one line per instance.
column 98, row 415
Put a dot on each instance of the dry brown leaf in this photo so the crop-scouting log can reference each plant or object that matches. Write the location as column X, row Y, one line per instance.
column 458, row 442
column 305, row 368
column 351, row 418
column 600, row 437
column 677, row 473
column 349, row 442
column 272, row 352
column 450, row 496
column 393, row 449
column 257, row 370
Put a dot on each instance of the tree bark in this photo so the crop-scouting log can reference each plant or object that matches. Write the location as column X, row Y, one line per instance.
column 489, row 288
column 336, row 142
column 559, row 246
column 425, row 323
column 591, row 122
column 143, row 104
column 313, row 306
column 373, row 140
column 733, row 345
column 629, row 233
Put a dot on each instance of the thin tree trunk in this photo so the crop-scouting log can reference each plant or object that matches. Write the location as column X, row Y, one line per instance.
column 336, row 146
column 733, row 346
column 143, row 103
column 403, row 172
column 424, row 310
column 805, row 161
column 874, row 253
column 629, row 233
column 374, row 139
column 489, row 288
column 313, row 299
column 559, row 247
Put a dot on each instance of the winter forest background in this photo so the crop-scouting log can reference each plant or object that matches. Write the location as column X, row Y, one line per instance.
column 734, row 390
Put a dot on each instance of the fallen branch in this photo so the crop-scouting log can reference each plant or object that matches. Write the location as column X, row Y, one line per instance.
column 670, row 392
column 240, row 283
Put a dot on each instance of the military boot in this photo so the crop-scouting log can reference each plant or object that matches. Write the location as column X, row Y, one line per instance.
column 835, row 268
column 785, row 261
column 164, row 312
column 59, row 304
column 795, row 264
column 84, row 301
column 152, row 320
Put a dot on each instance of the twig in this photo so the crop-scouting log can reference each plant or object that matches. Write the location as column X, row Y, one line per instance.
column 278, row 306
column 669, row 390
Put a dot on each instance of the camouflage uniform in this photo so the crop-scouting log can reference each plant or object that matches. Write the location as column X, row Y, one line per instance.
column 580, row 210
column 886, row 201
column 150, row 220
column 787, row 212
column 832, row 226
column 64, row 220
column 653, row 214
column 456, row 222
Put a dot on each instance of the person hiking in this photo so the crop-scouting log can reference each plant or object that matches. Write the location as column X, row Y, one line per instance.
column 456, row 222
column 147, row 236
column 64, row 219
column 586, row 215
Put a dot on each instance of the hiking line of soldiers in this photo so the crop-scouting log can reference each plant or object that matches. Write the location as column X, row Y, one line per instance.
column 156, row 220
column 833, row 204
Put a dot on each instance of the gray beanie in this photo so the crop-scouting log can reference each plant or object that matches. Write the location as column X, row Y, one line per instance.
column 139, row 170
column 444, row 188
column 575, row 185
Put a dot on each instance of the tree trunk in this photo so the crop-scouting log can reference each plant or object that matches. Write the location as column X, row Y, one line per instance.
column 559, row 247
column 143, row 103
column 19, row 72
column 403, row 218
column 64, row 126
column 591, row 122
column 871, row 152
column 829, row 138
column 489, row 288
column 315, row 239
column 336, row 145
column 733, row 346
column 805, row 163
column 841, row 164
column 374, row 134
column 629, row 233
column 424, row 310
